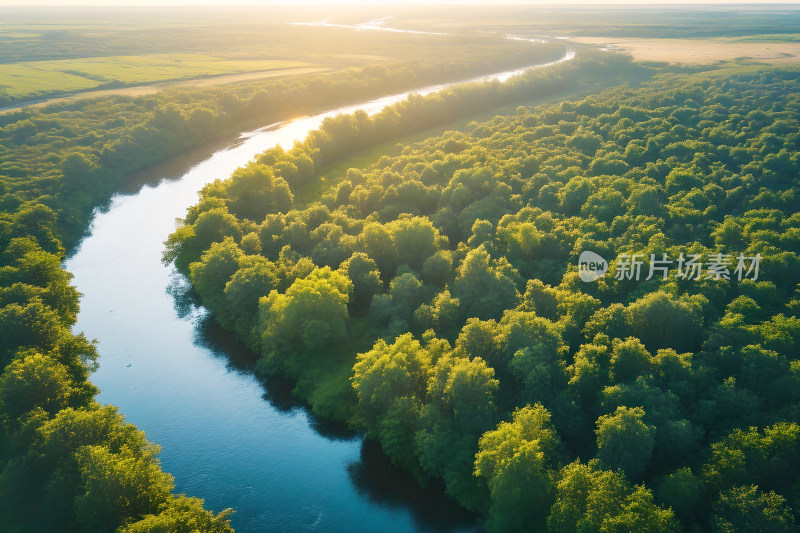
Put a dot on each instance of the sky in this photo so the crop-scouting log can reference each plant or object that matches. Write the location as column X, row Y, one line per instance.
column 364, row 2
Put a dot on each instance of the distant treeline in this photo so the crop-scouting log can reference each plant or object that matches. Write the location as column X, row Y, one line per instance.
column 777, row 22
column 63, row 160
column 433, row 297
column 66, row 462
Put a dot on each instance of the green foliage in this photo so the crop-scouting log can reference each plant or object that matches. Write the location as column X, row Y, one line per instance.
column 211, row 274
column 625, row 442
column 366, row 278
column 68, row 464
column 90, row 469
column 458, row 304
column 767, row 458
column 34, row 381
column 256, row 277
column 116, row 486
column 183, row 515
column 682, row 492
column 747, row 509
column 591, row 499
column 305, row 323
column 629, row 360
column 254, row 192
column 30, row 325
column 662, row 321
column 483, row 288
column 517, row 460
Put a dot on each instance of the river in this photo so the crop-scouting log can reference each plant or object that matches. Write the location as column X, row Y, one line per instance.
column 227, row 436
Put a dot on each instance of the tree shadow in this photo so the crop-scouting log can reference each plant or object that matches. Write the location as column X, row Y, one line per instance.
column 388, row 486
column 373, row 476
column 185, row 300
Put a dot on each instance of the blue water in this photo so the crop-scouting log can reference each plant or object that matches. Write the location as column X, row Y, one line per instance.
column 227, row 436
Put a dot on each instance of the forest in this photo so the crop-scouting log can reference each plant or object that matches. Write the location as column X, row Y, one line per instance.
column 69, row 157
column 60, row 449
column 433, row 298
column 415, row 276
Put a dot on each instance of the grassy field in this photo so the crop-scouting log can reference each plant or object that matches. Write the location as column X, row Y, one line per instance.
column 58, row 52
column 700, row 51
column 153, row 88
column 21, row 80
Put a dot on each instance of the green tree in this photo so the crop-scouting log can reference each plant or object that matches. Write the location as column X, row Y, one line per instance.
column 661, row 320
column 530, row 347
column 681, row 491
column 116, row 487
column 625, row 441
column 308, row 320
column 256, row 277
column 378, row 243
column 407, row 293
column 589, row 499
column 446, row 314
column 517, row 460
column 745, row 509
column 438, row 269
column 77, row 171
column 391, row 383
column 415, row 240
column 254, row 191
column 629, row 360
column 33, row 380
column 366, row 278
column 182, row 515
column 765, row 457
column 212, row 274
column 461, row 406
column 483, row 290
column 32, row 325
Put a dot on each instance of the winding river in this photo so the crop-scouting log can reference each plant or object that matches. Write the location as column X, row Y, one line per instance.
column 227, row 436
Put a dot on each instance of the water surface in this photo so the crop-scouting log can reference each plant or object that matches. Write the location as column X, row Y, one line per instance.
column 227, row 436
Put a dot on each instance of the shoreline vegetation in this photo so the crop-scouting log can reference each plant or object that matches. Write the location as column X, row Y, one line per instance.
column 60, row 449
column 428, row 297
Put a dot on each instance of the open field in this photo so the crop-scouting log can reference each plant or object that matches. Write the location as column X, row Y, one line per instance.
column 62, row 52
column 152, row 88
column 35, row 77
column 699, row 51
column 58, row 52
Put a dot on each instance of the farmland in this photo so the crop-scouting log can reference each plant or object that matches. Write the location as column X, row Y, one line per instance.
column 766, row 49
column 66, row 53
column 35, row 78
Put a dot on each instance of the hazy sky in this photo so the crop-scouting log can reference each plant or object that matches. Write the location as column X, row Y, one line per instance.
column 361, row 2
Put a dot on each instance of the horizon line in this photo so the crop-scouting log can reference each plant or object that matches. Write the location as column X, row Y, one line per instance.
column 417, row 3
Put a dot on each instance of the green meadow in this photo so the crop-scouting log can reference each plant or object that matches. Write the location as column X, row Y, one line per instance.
column 21, row 80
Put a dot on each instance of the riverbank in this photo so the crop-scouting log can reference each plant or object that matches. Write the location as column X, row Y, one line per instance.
column 220, row 438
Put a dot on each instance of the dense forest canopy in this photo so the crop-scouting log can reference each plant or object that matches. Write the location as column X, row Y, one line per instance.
column 63, row 160
column 433, row 298
column 60, row 450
